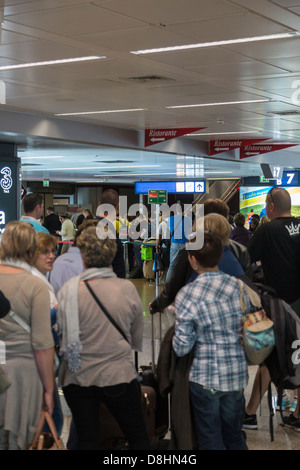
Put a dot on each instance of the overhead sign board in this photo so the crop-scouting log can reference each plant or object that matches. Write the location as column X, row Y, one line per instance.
column 157, row 136
column 171, row 187
column 220, row 146
column 254, row 150
column 288, row 178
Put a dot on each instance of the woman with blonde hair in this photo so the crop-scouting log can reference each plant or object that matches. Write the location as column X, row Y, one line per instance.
column 217, row 224
column 98, row 363
column 27, row 337
column 43, row 263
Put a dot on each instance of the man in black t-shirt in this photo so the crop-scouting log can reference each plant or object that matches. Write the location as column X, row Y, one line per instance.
column 277, row 245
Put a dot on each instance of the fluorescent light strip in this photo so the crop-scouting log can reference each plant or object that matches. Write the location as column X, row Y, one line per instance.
column 216, row 43
column 217, row 104
column 93, row 168
column 40, row 158
column 103, row 112
column 51, row 62
column 224, row 133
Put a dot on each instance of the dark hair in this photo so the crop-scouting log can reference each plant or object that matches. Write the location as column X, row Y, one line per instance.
column 216, row 206
column 239, row 219
column 110, row 196
column 30, row 201
column 211, row 252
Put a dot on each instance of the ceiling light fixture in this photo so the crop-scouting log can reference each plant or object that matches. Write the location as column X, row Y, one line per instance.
column 103, row 112
column 223, row 133
column 96, row 168
column 51, row 62
column 216, row 43
column 217, row 104
column 40, row 158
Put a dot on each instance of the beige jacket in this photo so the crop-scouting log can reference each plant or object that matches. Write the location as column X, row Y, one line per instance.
column 106, row 357
column 67, row 230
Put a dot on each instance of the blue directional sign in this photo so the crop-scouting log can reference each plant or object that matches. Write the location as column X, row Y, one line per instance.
column 173, row 187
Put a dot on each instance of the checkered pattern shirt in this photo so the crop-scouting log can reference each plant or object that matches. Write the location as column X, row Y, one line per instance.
column 209, row 317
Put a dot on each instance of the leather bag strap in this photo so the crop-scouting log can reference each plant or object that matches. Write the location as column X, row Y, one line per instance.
column 106, row 312
column 36, row 440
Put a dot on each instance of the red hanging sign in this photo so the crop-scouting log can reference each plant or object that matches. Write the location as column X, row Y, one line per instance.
column 219, row 146
column 156, row 136
column 254, row 150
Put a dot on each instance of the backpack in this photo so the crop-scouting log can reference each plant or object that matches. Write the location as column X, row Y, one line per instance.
column 283, row 363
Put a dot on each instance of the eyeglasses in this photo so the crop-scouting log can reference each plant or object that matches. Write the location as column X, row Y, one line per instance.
column 270, row 194
column 48, row 252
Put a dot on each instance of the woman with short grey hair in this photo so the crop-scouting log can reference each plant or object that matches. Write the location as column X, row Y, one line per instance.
column 98, row 362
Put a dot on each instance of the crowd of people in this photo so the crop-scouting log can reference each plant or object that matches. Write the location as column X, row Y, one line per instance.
column 55, row 332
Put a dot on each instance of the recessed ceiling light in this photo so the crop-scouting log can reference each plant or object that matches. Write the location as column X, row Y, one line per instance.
column 216, row 43
column 223, row 133
column 217, row 104
column 51, row 62
column 102, row 112
column 40, row 158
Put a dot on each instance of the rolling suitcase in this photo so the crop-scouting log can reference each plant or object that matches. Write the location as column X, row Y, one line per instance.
column 148, row 378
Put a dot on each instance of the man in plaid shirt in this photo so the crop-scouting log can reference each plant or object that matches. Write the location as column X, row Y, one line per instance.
column 209, row 321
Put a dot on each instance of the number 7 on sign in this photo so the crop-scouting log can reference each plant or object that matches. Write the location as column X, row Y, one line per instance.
column 290, row 177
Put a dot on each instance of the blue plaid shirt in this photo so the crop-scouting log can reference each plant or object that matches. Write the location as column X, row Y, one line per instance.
column 209, row 317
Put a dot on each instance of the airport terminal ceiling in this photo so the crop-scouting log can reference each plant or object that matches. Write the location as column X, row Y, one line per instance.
column 82, row 83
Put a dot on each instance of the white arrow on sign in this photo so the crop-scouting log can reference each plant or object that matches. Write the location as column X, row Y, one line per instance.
column 252, row 153
column 155, row 140
column 222, row 149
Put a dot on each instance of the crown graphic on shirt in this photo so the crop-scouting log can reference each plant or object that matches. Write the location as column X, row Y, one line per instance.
column 293, row 229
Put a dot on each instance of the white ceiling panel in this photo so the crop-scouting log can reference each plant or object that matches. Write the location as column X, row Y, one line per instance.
column 172, row 11
column 104, row 107
column 86, row 18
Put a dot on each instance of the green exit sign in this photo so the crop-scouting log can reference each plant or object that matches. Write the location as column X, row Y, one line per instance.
column 157, row 196
column 46, row 183
column 263, row 179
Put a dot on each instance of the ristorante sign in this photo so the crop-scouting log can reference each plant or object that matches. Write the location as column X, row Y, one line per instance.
column 157, row 136
column 220, row 146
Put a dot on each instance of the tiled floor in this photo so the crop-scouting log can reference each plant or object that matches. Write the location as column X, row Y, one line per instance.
column 284, row 438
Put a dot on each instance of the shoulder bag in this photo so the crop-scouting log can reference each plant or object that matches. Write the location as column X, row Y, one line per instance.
column 258, row 331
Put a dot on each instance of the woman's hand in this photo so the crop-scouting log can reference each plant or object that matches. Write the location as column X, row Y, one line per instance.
column 48, row 402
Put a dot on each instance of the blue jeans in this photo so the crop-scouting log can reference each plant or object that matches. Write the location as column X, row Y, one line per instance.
column 218, row 418
column 174, row 250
